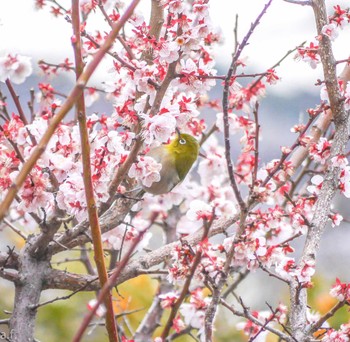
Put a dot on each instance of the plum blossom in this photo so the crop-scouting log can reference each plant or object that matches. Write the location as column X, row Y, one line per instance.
column 344, row 181
column 331, row 31
column 336, row 219
column 158, row 128
column 146, row 170
column 91, row 96
column 199, row 211
column 34, row 193
column 320, row 150
column 249, row 252
column 71, row 196
column 190, row 76
column 316, row 186
column 194, row 317
column 309, row 54
column 168, row 51
column 16, row 68
column 340, row 290
column 305, row 271
column 332, row 335
column 168, row 299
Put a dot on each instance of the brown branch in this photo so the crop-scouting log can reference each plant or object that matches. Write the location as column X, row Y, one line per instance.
column 15, row 229
column 18, row 105
column 87, row 178
column 317, row 325
column 82, row 288
column 67, row 105
column 15, row 99
column 285, row 156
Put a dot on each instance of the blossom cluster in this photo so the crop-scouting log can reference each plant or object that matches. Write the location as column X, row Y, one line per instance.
column 337, row 21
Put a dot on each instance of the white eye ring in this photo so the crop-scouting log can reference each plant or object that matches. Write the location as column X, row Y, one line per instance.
column 182, row 141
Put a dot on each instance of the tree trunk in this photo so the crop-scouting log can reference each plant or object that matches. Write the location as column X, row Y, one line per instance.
column 27, row 294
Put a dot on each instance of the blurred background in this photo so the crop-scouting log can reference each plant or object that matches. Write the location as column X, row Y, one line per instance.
column 39, row 34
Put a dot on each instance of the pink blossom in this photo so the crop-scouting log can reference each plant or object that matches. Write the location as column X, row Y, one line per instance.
column 158, row 128
column 336, row 219
column 199, row 211
column 340, row 290
column 192, row 316
column 146, row 170
column 321, row 150
column 168, row 299
column 332, row 335
column 253, row 330
column 339, row 161
column 91, row 96
column 16, row 68
column 331, row 31
column 309, row 54
column 316, row 186
column 169, row 51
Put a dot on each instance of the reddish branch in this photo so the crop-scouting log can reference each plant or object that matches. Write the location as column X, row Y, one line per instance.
column 87, row 178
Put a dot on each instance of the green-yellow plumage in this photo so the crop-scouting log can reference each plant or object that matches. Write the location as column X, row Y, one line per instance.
column 176, row 158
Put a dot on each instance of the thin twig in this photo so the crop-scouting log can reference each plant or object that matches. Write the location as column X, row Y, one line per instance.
column 317, row 325
column 233, row 286
column 15, row 99
column 15, row 229
column 256, row 140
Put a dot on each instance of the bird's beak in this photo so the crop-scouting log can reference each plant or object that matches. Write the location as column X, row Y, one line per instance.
column 178, row 132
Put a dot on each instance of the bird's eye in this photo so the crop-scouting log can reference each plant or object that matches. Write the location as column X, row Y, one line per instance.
column 182, row 141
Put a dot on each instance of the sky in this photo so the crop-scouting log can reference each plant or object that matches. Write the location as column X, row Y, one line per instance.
column 26, row 31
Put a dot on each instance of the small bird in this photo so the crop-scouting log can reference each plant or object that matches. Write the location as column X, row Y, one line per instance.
column 176, row 158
